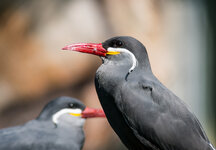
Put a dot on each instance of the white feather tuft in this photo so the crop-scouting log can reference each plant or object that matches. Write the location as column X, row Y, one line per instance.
column 133, row 58
column 212, row 146
column 64, row 111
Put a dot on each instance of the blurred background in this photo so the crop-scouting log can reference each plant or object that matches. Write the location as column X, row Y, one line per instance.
column 179, row 35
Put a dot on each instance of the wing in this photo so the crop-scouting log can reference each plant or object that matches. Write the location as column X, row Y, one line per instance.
column 13, row 138
column 37, row 136
column 155, row 114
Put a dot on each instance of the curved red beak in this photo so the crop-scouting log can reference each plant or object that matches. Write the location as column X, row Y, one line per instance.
column 91, row 48
column 91, row 112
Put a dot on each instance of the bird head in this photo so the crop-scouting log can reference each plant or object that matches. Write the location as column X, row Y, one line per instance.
column 121, row 50
column 70, row 111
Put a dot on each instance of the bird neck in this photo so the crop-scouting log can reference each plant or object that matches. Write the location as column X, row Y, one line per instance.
column 118, row 70
column 143, row 62
column 69, row 121
column 45, row 115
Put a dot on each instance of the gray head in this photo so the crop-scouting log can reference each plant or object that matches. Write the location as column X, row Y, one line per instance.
column 68, row 111
column 63, row 110
column 122, row 47
column 125, row 51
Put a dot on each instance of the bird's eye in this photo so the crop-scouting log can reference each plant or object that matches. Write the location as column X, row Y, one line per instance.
column 71, row 105
column 117, row 44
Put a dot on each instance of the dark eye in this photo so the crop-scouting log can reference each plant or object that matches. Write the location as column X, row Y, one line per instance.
column 118, row 43
column 71, row 105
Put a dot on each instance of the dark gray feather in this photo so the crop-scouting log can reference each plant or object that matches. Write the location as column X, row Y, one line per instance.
column 163, row 119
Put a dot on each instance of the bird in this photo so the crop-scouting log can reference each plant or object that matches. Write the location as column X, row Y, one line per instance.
column 143, row 112
column 58, row 127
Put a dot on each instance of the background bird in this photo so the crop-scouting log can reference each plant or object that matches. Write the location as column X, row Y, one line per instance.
column 58, row 127
column 142, row 111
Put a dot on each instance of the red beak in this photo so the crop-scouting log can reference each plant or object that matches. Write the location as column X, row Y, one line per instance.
column 91, row 48
column 90, row 113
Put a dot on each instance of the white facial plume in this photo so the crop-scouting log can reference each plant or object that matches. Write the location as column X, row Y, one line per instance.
column 57, row 115
column 123, row 50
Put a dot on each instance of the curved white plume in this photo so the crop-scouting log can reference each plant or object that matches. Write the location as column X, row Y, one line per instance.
column 133, row 58
column 64, row 111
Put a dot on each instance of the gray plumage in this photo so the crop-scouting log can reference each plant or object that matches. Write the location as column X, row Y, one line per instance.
column 142, row 111
column 43, row 134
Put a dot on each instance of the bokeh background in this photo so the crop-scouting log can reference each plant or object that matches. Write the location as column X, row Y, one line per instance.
column 178, row 34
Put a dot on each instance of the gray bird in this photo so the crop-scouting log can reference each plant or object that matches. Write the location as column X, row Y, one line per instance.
column 141, row 110
column 58, row 127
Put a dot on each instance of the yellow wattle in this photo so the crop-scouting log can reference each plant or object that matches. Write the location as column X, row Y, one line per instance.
column 77, row 115
column 112, row 53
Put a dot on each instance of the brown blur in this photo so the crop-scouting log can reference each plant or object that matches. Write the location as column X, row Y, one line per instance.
column 34, row 69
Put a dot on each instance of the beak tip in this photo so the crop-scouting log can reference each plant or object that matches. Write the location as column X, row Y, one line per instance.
column 91, row 113
column 91, row 48
column 65, row 48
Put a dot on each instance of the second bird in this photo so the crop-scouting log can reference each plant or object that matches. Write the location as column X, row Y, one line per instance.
column 58, row 127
